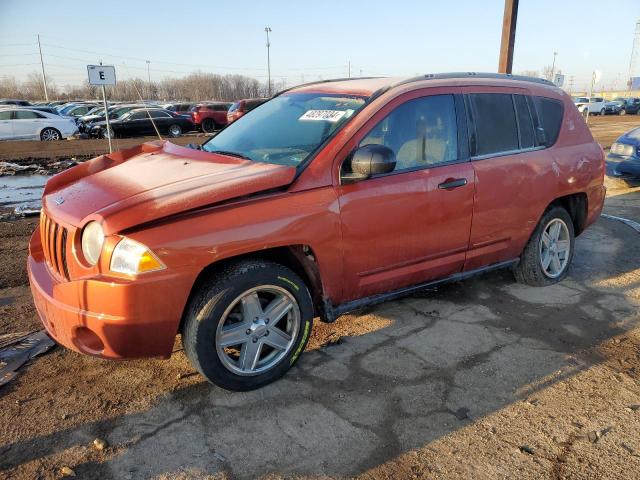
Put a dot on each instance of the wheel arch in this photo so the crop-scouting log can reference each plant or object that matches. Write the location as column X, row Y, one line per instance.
column 300, row 258
column 576, row 204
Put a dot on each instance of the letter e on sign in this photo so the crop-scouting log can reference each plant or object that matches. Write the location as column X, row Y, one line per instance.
column 101, row 74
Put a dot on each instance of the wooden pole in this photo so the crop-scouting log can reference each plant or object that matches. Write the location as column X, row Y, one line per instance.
column 508, row 36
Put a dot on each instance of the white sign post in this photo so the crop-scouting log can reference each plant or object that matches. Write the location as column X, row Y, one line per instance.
column 103, row 75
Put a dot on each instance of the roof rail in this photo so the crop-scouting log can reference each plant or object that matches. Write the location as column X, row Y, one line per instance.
column 499, row 76
column 324, row 81
column 453, row 75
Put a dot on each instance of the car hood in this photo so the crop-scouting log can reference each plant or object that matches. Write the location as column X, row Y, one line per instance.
column 91, row 118
column 152, row 181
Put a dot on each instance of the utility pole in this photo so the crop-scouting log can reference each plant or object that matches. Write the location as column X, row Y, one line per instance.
column 570, row 84
column 44, row 77
column 149, row 77
column 349, row 69
column 267, row 30
column 553, row 66
column 507, row 43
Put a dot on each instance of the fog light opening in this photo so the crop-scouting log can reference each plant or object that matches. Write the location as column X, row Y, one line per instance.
column 88, row 341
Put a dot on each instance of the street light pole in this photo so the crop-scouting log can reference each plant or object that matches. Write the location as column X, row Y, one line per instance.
column 267, row 30
column 44, row 77
column 149, row 77
column 553, row 66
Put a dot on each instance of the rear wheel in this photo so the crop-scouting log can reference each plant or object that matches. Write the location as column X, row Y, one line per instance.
column 175, row 130
column 208, row 125
column 603, row 112
column 622, row 111
column 49, row 134
column 248, row 325
column 545, row 259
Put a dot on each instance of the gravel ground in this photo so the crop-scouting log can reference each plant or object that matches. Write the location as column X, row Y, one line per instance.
column 483, row 379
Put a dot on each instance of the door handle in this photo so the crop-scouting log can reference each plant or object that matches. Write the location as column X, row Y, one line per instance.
column 451, row 183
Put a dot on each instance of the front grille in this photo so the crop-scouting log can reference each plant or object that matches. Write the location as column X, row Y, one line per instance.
column 54, row 244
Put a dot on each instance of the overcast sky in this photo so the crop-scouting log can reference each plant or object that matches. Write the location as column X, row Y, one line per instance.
column 313, row 39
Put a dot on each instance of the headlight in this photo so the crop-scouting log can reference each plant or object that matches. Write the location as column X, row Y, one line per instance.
column 131, row 257
column 92, row 241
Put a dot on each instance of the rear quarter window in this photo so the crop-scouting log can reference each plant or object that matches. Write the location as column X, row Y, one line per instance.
column 494, row 117
column 550, row 113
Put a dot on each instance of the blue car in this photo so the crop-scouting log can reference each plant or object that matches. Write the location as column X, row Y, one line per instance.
column 625, row 153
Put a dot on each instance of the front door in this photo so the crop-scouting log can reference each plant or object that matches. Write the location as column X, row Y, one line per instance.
column 6, row 125
column 411, row 225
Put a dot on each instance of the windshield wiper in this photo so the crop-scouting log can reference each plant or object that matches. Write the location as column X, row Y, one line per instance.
column 231, row 154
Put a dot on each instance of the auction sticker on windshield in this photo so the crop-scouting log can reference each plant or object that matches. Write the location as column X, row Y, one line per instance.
column 323, row 115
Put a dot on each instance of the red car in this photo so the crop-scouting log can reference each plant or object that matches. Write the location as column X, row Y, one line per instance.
column 241, row 107
column 209, row 117
column 329, row 197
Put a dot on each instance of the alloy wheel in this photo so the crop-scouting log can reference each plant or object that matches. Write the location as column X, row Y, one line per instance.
column 257, row 330
column 50, row 134
column 555, row 245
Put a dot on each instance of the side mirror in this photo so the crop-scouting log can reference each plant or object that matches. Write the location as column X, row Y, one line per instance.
column 541, row 136
column 370, row 160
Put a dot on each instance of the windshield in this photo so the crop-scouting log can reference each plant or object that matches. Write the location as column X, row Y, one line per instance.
column 287, row 129
column 66, row 108
column 580, row 100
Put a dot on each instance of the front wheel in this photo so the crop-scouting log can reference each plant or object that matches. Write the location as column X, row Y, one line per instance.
column 603, row 112
column 107, row 133
column 175, row 130
column 622, row 112
column 248, row 325
column 545, row 259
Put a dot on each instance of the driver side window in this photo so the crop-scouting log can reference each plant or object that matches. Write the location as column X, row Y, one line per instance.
column 421, row 132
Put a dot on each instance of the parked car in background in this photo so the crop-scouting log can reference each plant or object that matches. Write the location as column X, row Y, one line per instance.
column 581, row 103
column 77, row 111
column 596, row 106
column 630, row 105
column 211, row 116
column 318, row 203
column 613, row 108
column 86, row 122
column 179, row 108
column 625, row 153
column 8, row 101
column 138, row 122
column 27, row 124
column 241, row 107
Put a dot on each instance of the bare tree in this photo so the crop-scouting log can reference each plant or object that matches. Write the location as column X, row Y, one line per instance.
column 197, row 86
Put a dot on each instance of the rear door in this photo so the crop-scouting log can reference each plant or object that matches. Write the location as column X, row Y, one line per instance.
column 513, row 173
column 411, row 225
column 27, row 124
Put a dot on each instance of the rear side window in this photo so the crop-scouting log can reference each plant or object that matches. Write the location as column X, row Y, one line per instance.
column 494, row 117
column 550, row 114
column 253, row 104
column 525, row 122
column 5, row 115
column 27, row 115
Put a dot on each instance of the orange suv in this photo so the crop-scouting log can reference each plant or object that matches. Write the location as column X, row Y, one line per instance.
column 326, row 198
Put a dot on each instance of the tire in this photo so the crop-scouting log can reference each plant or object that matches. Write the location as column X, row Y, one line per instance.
column 49, row 134
column 228, row 299
column 208, row 125
column 175, row 130
column 104, row 133
column 622, row 112
column 603, row 112
column 531, row 270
